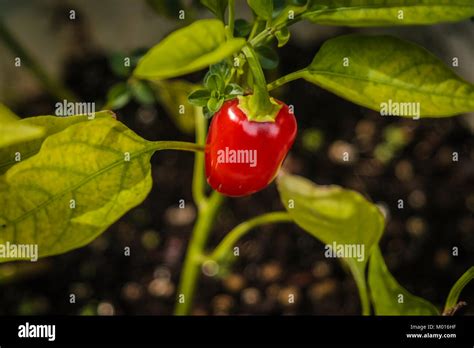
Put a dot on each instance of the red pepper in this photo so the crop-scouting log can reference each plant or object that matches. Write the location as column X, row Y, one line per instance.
column 243, row 156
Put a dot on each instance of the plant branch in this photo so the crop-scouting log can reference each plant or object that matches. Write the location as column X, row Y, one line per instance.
column 199, row 182
column 231, row 19
column 194, row 254
column 269, row 31
column 253, row 32
column 285, row 79
column 207, row 210
column 176, row 145
column 240, row 230
column 55, row 88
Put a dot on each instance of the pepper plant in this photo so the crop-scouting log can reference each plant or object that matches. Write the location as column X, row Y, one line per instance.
column 65, row 180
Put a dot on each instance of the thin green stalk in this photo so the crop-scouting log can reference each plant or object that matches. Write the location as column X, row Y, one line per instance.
column 231, row 19
column 55, row 88
column 199, row 182
column 176, row 145
column 195, row 254
column 253, row 32
column 269, row 31
column 285, row 79
column 240, row 230
column 258, row 105
column 207, row 210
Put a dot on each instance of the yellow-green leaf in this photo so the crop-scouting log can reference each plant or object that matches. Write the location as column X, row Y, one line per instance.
column 13, row 131
column 262, row 8
column 367, row 13
column 81, row 181
column 338, row 217
column 17, row 152
column 387, row 73
column 187, row 50
column 331, row 213
column 388, row 296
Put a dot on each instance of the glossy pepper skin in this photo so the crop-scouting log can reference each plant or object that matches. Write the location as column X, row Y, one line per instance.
column 243, row 156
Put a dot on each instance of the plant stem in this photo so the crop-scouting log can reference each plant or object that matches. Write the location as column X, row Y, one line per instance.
column 285, row 79
column 269, row 31
column 207, row 210
column 195, row 253
column 240, row 230
column 176, row 145
column 257, row 106
column 253, row 32
column 55, row 88
column 199, row 183
column 231, row 19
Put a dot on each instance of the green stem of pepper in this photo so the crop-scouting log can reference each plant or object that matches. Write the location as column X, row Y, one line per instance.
column 199, row 182
column 258, row 106
column 207, row 210
column 231, row 19
column 255, row 26
column 194, row 254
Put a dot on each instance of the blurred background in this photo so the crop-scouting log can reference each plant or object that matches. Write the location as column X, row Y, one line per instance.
column 390, row 159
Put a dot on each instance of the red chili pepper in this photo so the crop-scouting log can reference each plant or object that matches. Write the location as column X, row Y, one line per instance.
column 243, row 156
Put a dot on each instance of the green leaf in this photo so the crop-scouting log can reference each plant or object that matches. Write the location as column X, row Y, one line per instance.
column 389, row 297
column 199, row 97
column 82, row 180
column 221, row 69
column 173, row 95
column 338, row 217
column 214, row 104
column 187, row 50
column 367, row 13
column 282, row 36
column 381, row 72
column 456, row 290
column 117, row 64
column 118, row 96
column 214, row 82
column 207, row 113
column 13, row 131
column 267, row 56
column 233, row 90
column 262, row 8
column 242, row 28
column 217, row 7
column 142, row 92
column 290, row 11
column 331, row 213
column 51, row 125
